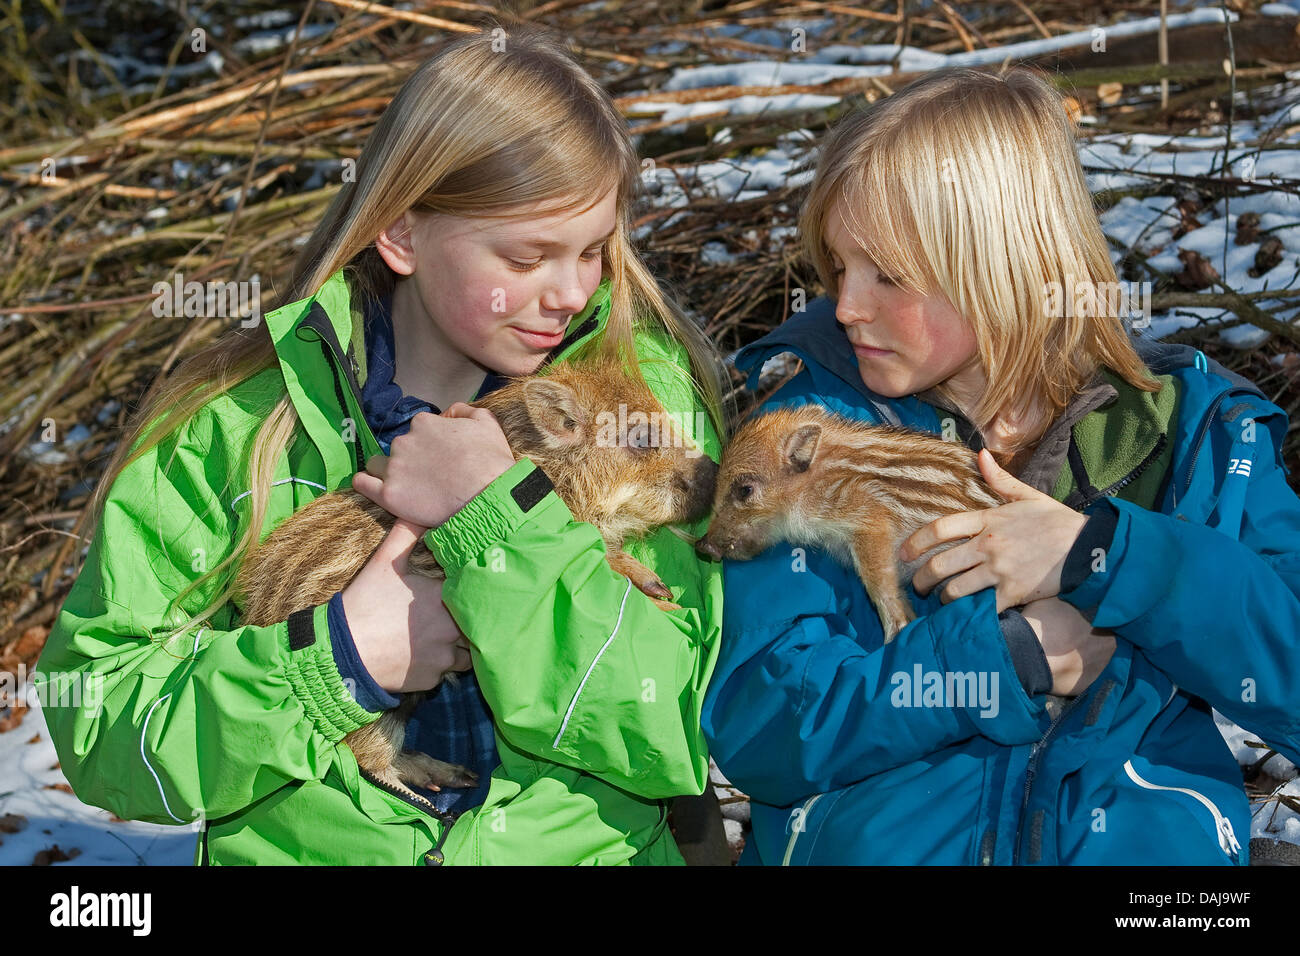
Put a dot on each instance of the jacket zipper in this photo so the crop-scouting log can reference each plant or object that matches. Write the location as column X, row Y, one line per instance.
column 1200, row 440
column 1034, row 754
column 338, row 391
column 1223, row 826
column 799, row 827
column 1132, row 476
column 434, row 856
column 421, row 803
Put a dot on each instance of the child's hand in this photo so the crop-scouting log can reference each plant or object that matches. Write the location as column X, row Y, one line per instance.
column 437, row 466
column 1076, row 651
column 404, row 634
column 1018, row 548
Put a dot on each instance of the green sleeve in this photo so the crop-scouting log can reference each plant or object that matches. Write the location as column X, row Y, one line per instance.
column 211, row 721
column 578, row 666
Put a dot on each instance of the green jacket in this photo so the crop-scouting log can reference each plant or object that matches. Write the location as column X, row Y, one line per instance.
column 237, row 730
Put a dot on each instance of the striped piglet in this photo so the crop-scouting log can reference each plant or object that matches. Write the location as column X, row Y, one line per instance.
column 808, row 477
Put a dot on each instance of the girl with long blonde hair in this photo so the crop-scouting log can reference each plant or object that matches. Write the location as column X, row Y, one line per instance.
column 486, row 232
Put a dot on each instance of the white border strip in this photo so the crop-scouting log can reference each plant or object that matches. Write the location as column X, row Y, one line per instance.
column 280, row 482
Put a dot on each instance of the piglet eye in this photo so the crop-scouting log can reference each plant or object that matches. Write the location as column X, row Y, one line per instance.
column 743, row 492
column 639, row 438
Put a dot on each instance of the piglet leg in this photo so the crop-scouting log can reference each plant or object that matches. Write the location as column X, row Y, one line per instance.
column 873, row 555
column 645, row 579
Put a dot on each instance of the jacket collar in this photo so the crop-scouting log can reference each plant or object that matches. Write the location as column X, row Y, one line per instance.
column 319, row 343
column 821, row 342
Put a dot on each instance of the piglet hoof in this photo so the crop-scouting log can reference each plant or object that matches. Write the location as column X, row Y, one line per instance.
column 892, row 623
column 666, row 605
column 421, row 770
column 653, row 587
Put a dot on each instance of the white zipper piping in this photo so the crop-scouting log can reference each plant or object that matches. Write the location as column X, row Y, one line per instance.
column 282, row 481
column 145, row 729
column 800, row 825
column 1227, row 838
column 555, row 744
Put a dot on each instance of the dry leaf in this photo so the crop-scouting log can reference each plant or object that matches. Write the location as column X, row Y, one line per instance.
column 13, row 718
column 1267, row 256
column 1197, row 272
column 54, row 855
column 1247, row 228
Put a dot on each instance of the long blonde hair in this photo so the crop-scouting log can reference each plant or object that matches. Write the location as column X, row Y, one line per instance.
column 976, row 191
column 493, row 121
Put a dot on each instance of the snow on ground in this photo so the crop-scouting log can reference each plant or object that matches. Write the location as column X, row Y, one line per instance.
column 1112, row 161
column 51, row 817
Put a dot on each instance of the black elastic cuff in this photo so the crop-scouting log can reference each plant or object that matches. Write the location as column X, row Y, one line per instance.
column 1026, row 652
column 1099, row 532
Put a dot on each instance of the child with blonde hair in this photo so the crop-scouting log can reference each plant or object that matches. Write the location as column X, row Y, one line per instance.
column 1051, row 703
column 487, row 232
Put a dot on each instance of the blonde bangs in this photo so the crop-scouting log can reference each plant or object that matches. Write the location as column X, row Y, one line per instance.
column 966, row 184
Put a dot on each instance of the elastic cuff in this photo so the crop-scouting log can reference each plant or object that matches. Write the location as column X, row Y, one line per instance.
column 1027, row 654
column 352, row 670
column 310, row 670
column 490, row 516
column 1097, row 534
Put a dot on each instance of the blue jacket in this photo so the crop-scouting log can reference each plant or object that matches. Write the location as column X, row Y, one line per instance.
column 821, row 723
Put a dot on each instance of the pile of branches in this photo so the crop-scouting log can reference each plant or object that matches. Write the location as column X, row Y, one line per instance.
column 205, row 140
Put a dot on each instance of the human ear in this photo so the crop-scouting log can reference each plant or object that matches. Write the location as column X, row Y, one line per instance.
column 395, row 246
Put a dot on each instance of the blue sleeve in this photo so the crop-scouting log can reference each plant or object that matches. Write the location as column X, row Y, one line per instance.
column 806, row 698
column 1217, row 608
column 355, row 676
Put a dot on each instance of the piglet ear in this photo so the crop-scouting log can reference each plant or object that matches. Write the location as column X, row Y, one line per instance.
column 554, row 408
column 801, row 446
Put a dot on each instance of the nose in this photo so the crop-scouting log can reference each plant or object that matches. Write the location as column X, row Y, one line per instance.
column 706, row 474
column 567, row 295
column 854, row 303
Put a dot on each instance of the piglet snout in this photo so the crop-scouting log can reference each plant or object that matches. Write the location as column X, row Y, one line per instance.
column 707, row 549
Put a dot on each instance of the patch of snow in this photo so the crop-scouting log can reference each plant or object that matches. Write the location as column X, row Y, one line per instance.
column 54, row 817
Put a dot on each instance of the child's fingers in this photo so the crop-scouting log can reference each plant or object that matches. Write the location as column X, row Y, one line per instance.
column 367, row 484
column 399, row 542
column 461, row 410
column 962, row 524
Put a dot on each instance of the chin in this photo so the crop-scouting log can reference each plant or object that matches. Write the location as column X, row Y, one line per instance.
column 514, row 365
column 886, row 389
